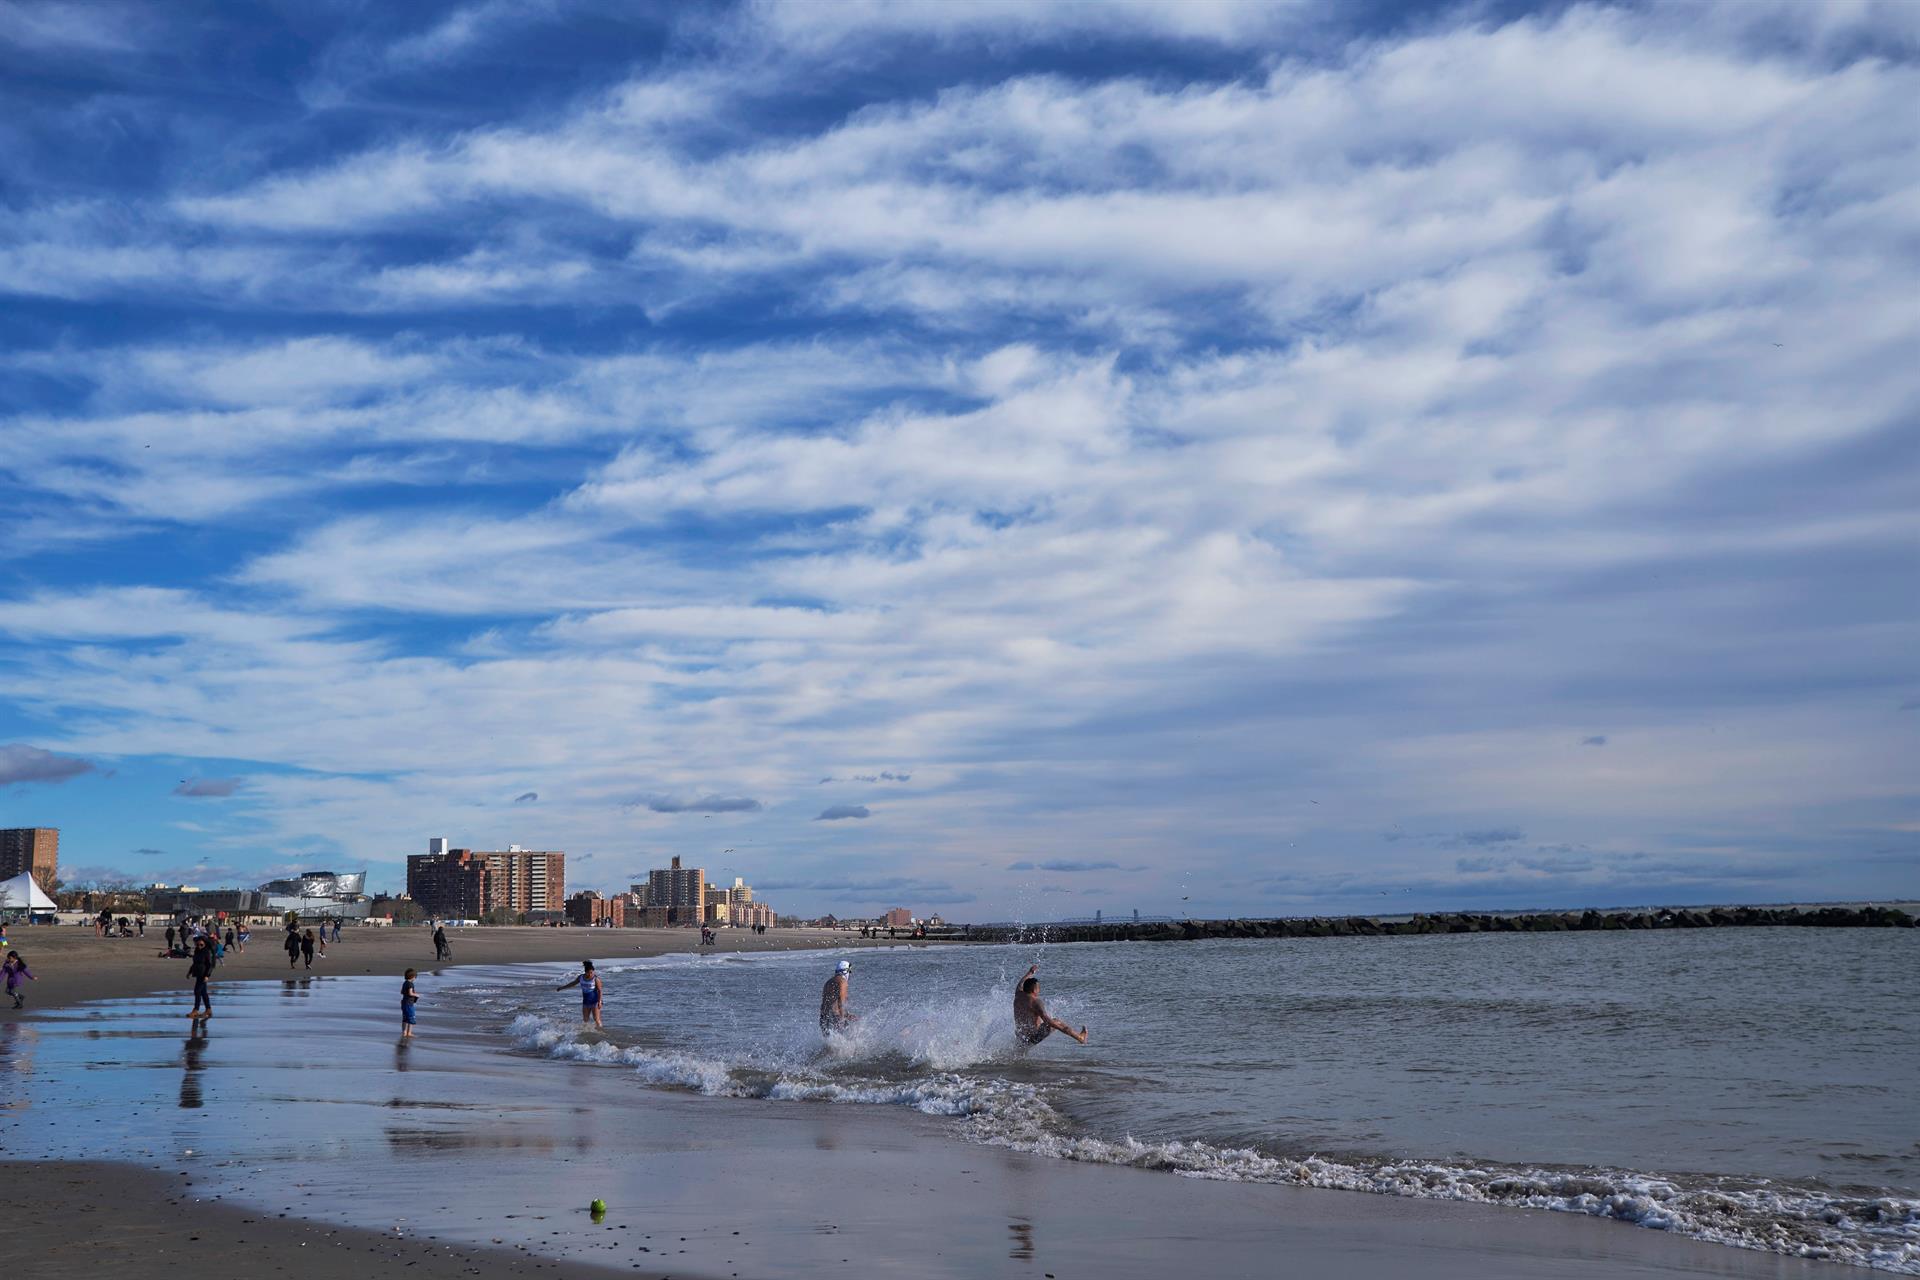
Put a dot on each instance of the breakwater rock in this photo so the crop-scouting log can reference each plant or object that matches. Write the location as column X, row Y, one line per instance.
column 1453, row 922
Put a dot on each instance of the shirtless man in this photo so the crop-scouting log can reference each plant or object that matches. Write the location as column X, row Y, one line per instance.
column 1031, row 1021
column 834, row 1015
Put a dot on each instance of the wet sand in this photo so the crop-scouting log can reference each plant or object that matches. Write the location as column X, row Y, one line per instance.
column 71, row 964
column 458, row 1156
column 82, row 1220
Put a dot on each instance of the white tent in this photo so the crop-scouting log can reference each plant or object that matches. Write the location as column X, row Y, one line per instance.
column 22, row 894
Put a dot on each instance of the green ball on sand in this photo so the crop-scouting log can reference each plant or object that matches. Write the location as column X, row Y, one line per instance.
column 598, row 1206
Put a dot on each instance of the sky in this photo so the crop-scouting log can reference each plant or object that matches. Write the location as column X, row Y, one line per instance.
column 1004, row 459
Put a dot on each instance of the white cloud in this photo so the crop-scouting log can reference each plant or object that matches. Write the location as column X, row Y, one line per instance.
column 809, row 25
column 1139, row 458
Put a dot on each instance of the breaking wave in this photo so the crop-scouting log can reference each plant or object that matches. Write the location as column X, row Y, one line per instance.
column 930, row 1061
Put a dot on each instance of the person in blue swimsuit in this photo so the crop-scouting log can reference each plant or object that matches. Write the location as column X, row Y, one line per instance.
column 590, row 991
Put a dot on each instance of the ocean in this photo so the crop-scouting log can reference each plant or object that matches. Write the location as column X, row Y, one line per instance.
column 1753, row 1087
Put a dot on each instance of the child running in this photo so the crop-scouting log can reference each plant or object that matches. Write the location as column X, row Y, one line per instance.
column 18, row 975
column 590, row 988
column 408, row 998
column 200, row 970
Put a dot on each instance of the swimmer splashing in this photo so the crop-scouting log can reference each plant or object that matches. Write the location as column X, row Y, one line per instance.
column 1031, row 1021
column 835, row 1017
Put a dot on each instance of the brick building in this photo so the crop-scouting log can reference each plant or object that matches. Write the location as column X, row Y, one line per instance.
column 680, row 891
column 468, row 883
column 34, row 850
column 587, row 909
column 453, row 885
column 521, row 880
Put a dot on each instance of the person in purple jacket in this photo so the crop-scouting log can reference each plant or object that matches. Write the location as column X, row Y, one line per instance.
column 18, row 975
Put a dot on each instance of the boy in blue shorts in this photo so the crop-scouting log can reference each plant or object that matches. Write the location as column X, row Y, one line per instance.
column 408, row 998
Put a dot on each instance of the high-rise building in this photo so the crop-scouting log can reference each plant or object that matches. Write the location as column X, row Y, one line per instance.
column 526, row 880
column 34, row 850
column 682, row 891
column 469, row 883
column 453, row 884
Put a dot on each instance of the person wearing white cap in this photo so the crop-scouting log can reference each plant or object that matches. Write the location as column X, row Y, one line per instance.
column 834, row 1014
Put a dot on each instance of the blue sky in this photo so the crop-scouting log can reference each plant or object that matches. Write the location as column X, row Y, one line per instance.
column 1006, row 459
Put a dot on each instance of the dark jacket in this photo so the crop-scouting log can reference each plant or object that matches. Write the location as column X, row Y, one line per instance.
column 202, row 966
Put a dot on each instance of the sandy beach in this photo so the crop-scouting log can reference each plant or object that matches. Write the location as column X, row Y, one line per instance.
column 71, row 964
column 297, row 1125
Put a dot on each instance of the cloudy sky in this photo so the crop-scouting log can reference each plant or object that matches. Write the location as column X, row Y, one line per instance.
column 1014, row 460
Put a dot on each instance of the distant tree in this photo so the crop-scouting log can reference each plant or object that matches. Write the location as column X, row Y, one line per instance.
column 401, row 910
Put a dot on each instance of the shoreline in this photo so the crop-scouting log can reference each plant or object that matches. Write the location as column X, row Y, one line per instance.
column 414, row 1164
column 70, row 965
column 894, row 1190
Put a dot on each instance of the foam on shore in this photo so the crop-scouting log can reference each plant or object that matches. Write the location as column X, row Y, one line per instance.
column 931, row 1061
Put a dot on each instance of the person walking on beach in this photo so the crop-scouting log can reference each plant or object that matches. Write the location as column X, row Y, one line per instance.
column 590, row 990
column 306, row 947
column 293, row 948
column 233, row 939
column 200, row 971
column 242, row 936
column 835, row 1017
column 18, row 975
column 408, row 998
column 1031, row 1021
column 441, row 951
column 322, row 940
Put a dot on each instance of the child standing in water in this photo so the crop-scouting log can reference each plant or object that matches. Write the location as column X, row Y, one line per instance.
column 589, row 983
column 408, row 998
column 17, row 978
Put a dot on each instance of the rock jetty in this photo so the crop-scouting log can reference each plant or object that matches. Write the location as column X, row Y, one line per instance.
column 1454, row 922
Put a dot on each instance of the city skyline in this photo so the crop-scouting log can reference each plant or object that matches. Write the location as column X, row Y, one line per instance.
column 1219, row 459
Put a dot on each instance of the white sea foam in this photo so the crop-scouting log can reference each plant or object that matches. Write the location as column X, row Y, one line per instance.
column 938, row 1050
column 1882, row 1233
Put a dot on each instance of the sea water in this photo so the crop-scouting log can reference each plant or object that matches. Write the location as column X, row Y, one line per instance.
column 1757, row 1087
column 1754, row 1087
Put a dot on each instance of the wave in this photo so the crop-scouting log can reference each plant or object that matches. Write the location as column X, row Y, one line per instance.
column 1883, row 1232
column 928, row 1059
